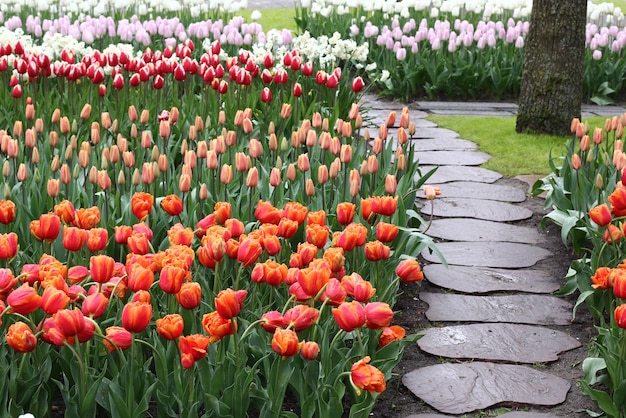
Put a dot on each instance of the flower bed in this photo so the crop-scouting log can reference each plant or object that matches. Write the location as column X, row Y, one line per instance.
column 198, row 231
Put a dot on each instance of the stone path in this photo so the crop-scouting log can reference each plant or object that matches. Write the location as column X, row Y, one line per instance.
column 492, row 313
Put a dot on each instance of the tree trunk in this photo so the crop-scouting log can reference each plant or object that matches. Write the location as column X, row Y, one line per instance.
column 552, row 73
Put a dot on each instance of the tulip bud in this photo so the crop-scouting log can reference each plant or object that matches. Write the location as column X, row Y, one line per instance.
column 6, row 168
column 226, row 174
column 252, row 179
column 22, row 173
column 291, row 172
column 184, row 184
column 121, row 178
column 391, row 184
column 309, row 188
column 275, row 177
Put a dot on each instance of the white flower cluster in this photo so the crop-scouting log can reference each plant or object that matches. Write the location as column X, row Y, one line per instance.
column 75, row 8
column 602, row 13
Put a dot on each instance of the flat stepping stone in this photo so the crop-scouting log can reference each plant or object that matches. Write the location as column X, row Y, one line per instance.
column 435, row 132
column 488, row 254
column 485, row 280
column 452, row 157
column 462, row 388
column 442, row 144
column 491, row 210
column 446, row 174
column 486, row 191
column 519, row 309
column 459, row 229
column 513, row 343
column 514, row 414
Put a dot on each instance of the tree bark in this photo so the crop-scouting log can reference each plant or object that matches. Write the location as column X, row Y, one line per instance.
column 552, row 73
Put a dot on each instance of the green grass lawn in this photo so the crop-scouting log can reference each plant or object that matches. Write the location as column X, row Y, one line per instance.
column 512, row 154
column 274, row 18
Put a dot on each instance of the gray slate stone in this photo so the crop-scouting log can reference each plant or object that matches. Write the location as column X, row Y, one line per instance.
column 488, row 254
column 461, row 229
column 519, row 309
column 435, row 132
column 513, row 343
column 462, row 388
column 486, row 191
column 514, row 414
column 446, row 174
column 490, row 210
column 442, row 144
column 452, row 157
column 485, row 280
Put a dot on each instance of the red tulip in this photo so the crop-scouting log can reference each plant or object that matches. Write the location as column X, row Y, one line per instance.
column 24, row 300
column 285, row 343
column 117, row 338
column 228, row 302
column 8, row 245
column 217, row 326
column 170, row 326
column 189, row 296
column 21, row 338
column 136, row 316
column 349, row 315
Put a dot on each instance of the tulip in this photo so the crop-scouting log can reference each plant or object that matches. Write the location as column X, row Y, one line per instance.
column 285, row 343
column 300, row 317
column 618, row 279
column 53, row 300
column 171, row 278
column 357, row 84
column 349, row 315
column 409, row 271
column 367, row 377
column 192, row 348
column 122, row 232
column 228, row 302
column 70, row 322
column 390, row 334
column 49, row 227
column 117, row 338
column 189, row 296
column 620, row 316
column 601, row 214
column 139, row 278
column 362, row 290
column 317, row 235
column 24, row 300
column 141, row 204
column 97, row 239
column 21, row 338
column 170, row 326
column 385, row 205
column 265, row 212
column 138, row 243
column 8, row 246
column 136, row 316
column 95, row 305
column 612, row 234
column 172, row 204
column 309, row 350
column 376, row 251
column 217, row 326
column 87, row 218
column 101, row 268
column 378, row 315
column 7, row 211
column 345, row 212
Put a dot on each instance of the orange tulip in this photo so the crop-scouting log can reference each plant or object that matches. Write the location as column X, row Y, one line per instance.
column 318, row 217
column 295, row 211
column 172, row 204
column 170, row 326
column 222, row 211
column 386, row 232
column 138, row 243
column 73, row 238
column 21, row 338
column 48, row 227
column 24, row 300
column 249, row 251
column 409, row 271
column 285, row 343
column 376, row 251
column 385, row 205
column 53, row 300
column 7, row 282
column 300, row 317
column 345, row 212
column 97, row 239
column 87, row 218
column 217, row 326
column 70, row 322
column 314, row 278
column 171, row 278
column 618, row 280
column 189, row 296
column 378, row 315
column 309, row 350
column 349, row 315
column 617, row 199
column 600, row 279
column 600, row 214
column 228, row 302
column 117, row 338
column 94, row 305
column 613, row 234
column 122, row 232
column 179, row 235
column 9, row 245
column 620, row 315
column 7, row 211
column 274, row 273
column 287, row 228
column 136, row 316
column 265, row 212
column 139, row 278
column 362, row 290
column 141, row 204
column 366, row 209
column 192, row 348
column 317, row 235
column 390, row 334
column 334, row 292
column 367, row 377
column 101, row 268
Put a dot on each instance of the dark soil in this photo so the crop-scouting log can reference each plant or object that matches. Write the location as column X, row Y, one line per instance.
column 398, row 401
